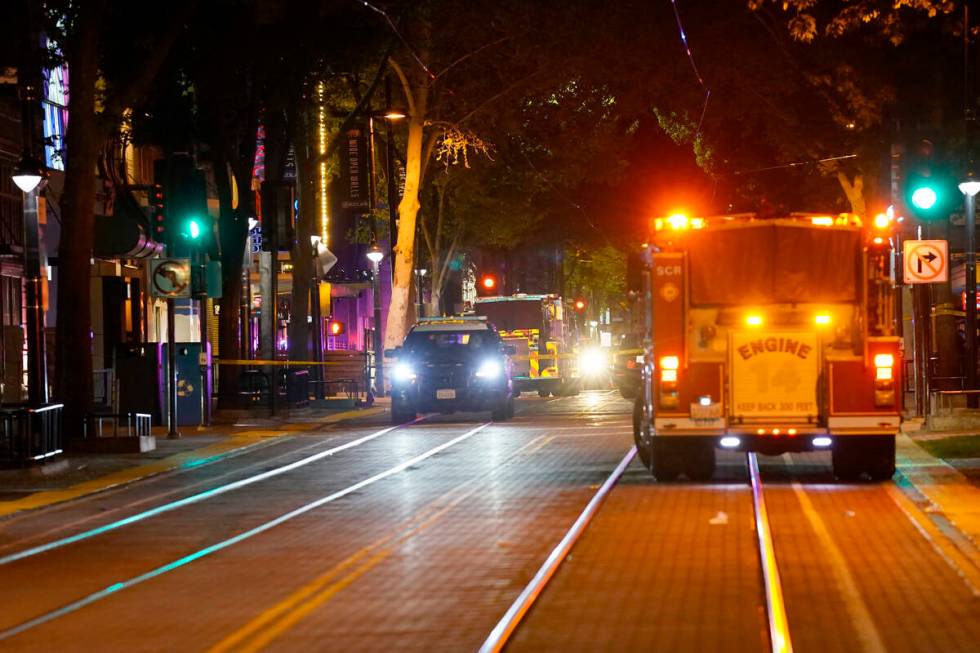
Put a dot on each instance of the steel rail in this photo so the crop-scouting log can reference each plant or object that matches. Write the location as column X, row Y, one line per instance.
column 779, row 638
column 192, row 499
column 231, row 541
column 502, row 632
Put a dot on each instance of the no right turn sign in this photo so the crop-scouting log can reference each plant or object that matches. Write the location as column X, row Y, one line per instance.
column 926, row 261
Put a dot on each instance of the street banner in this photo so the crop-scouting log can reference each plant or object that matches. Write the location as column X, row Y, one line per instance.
column 355, row 170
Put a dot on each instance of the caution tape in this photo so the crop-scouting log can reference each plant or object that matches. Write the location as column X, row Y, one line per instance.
column 264, row 362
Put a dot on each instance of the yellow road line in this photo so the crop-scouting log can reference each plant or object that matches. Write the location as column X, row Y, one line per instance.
column 867, row 632
column 281, row 617
column 239, row 440
column 49, row 497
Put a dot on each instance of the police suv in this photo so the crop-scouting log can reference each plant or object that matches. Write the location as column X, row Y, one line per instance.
column 451, row 364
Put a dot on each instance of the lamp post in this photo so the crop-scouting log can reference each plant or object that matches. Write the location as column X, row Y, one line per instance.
column 374, row 254
column 29, row 176
column 419, row 273
column 315, row 314
column 970, row 188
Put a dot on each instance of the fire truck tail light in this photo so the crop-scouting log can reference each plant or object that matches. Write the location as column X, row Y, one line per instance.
column 882, row 221
column 884, row 380
column 668, row 376
column 670, row 362
column 884, row 360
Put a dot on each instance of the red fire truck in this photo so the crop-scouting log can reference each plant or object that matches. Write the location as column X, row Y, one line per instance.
column 769, row 335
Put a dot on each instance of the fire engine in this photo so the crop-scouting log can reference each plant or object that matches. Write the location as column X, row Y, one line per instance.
column 535, row 326
column 770, row 335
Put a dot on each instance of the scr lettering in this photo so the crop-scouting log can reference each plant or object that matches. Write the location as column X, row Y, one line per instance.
column 774, row 345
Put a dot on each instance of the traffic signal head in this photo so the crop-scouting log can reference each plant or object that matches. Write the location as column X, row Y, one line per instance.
column 193, row 229
column 487, row 285
column 930, row 190
column 158, row 214
column 580, row 305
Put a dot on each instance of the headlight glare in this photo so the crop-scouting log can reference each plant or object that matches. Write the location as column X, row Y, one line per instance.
column 592, row 361
column 489, row 370
column 403, row 373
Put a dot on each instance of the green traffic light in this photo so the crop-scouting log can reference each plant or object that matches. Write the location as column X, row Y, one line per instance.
column 193, row 229
column 924, row 198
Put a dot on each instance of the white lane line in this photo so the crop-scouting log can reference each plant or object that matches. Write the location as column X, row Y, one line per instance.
column 498, row 637
column 224, row 544
column 867, row 632
column 186, row 501
column 775, row 605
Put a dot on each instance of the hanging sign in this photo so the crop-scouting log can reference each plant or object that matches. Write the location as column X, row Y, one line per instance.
column 355, row 170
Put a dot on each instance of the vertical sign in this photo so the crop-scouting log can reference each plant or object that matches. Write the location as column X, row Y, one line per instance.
column 355, row 170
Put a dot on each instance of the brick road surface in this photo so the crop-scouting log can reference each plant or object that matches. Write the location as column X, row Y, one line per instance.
column 429, row 558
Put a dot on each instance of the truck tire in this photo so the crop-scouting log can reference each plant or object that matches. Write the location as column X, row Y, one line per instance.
column 642, row 443
column 878, row 456
column 668, row 458
column 844, row 459
column 627, row 392
column 544, row 394
column 700, row 459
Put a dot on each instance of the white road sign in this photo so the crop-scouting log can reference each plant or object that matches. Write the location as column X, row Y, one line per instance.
column 926, row 261
column 170, row 278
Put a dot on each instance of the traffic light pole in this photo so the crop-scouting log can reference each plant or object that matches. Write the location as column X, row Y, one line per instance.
column 971, row 298
column 172, row 432
column 205, row 360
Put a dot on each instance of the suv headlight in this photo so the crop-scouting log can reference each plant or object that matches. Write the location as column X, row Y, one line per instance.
column 403, row 373
column 490, row 369
column 592, row 361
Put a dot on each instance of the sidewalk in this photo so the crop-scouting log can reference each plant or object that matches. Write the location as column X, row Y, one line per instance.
column 74, row 476
column 945, row 468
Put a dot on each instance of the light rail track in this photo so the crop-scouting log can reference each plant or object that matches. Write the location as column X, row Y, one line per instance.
column 779, row 637
column 198, row 497
column 183, row 561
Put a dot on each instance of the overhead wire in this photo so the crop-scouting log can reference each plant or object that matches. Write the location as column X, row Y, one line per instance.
column 694, row 66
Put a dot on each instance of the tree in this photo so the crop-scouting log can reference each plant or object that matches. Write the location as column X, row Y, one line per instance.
column 92, row 35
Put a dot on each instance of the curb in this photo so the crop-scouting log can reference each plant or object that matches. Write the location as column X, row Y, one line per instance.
column 233, row 445
column 949, row 492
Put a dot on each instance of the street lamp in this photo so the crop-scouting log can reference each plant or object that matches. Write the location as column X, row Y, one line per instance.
column 374, row 254
column 970, row 187
column 28, row 174
column 419, row 273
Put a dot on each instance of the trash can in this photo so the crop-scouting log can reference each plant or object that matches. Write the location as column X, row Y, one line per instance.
column 298, row 388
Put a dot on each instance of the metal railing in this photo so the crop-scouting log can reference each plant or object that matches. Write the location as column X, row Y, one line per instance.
column 122, row 425
column 946, row 398
column 30, row 435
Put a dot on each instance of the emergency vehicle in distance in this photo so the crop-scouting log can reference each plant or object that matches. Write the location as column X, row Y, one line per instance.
column 768, row 335
column 535, row 326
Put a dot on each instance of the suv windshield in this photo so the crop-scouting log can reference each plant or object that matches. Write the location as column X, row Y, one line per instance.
column 450, row 342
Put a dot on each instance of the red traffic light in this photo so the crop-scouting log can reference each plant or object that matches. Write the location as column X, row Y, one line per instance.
column 580, row 305
column 336, row 328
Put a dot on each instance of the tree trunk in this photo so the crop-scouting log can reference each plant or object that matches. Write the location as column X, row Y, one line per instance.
column 397, row 325
column 233, row 231
column 302, row 254
column 854, row 193
column 84, row 140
